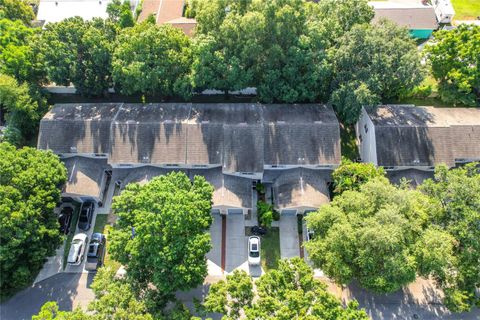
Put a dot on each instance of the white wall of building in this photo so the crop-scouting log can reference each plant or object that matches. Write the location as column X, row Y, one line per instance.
column 366, row 138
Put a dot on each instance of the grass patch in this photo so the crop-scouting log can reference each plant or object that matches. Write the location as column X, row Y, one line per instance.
column 270, row 252
column 73, row 228
column 349, row 142
column 100, row 223
column 466, row 9
column 109, row 262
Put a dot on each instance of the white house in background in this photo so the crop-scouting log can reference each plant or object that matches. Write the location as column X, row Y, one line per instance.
column 443, row 10
column 50, row 11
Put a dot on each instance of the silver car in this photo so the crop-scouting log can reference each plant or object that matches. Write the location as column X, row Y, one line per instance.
column 77, row 249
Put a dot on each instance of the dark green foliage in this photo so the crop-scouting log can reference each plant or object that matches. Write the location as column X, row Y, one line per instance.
column 120, row 13
column 30, row 182
column 373, row 63
column 170, row 217
column 351, row 175
column 79, row 52
column 266, row 214
column 152, row 60
column 290, row 292
column 23, row 107
column 458, row 270
column 370, row 235
column 455, row 59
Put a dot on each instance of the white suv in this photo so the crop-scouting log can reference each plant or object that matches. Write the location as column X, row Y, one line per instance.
column 254, row 250
column 77, row 249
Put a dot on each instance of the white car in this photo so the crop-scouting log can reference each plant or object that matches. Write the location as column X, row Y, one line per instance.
column 254, row 250
column 77, row 249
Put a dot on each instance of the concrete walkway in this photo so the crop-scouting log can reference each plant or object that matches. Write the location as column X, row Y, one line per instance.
column 236, row 244
column 289, row 244
column 214, row 256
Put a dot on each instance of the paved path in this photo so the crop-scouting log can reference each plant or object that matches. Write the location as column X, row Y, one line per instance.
column 236, row 250
column 69, row 290
column 289, row 245
column 53, row 266
column 214, row 257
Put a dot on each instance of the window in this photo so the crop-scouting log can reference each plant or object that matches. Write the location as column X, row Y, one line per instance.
column 366, row 128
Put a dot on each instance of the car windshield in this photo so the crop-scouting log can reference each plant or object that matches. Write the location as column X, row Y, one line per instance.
column 83, row 216
column 254, row 254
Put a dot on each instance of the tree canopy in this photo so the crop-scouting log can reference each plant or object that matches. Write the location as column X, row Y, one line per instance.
column 289, row 292
column 370, row 235
column 23, row 108
column 351, row 175
column 454, row 56
column 162, row 234
column 152, row 60
column 458, row 272
column 16, row 10
column 30, row 182
column 79, row 52
column 372, row 63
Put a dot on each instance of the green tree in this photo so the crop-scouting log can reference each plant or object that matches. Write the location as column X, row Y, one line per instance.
column 152, row 60
column 350, row 175
column 458, row 272
column 30, row 182
column 79, row 52
column 16, row 10
column 18, row 51
column 372, row 63
column 455, row 59
column 162, row 235
column 290, row 292
column 370, row 235
column 270, row 45
column 23, row 108
column 120, row 13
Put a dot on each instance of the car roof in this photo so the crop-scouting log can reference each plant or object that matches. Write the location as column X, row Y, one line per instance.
column 80, row 236
column 74, row 250
column 254, row 240
column 92, row 250
column 97, row 236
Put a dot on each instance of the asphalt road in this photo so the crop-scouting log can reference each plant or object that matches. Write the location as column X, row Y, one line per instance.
column 69, row 290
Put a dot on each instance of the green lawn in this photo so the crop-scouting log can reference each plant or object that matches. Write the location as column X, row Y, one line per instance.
column 466, row 9
column 348, row 142
column 270, row 252
column 102, row 226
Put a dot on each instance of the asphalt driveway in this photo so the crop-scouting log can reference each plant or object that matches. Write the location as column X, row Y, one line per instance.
column 236, row 242
column 69, row 290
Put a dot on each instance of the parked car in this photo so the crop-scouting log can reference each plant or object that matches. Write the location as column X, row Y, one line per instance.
column 86, row 215
column 310, row 233
column 96, row 252
column 64, row 219
column 254, row 250
column 77, row 249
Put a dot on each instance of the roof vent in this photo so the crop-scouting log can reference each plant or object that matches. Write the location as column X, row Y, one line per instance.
column 145, row 159
column 171, row 165
column 416, row 161
column 73, row 149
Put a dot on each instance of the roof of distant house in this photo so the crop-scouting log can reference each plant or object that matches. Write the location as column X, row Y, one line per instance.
column 412, row 16
column 239, row 137
column 425, row 136
column 168, row 11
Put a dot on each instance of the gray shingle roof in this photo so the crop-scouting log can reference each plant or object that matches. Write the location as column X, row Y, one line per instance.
column 238, row 137
column 425, row 136
column 412, row 18
column 301, row 188
column 84, row 175
column 229, row 191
